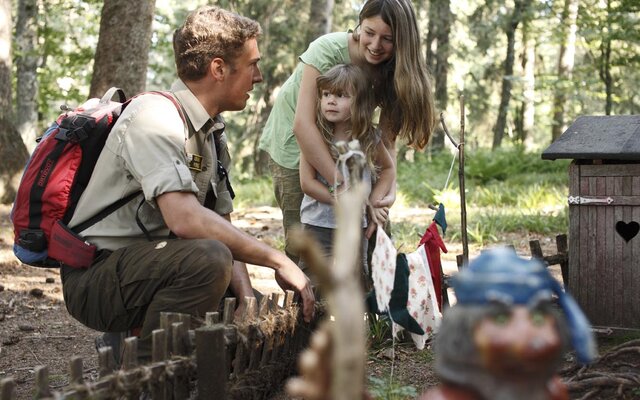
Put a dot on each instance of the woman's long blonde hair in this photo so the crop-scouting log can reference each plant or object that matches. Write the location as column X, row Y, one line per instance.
column 403, row 86
column 352, row 80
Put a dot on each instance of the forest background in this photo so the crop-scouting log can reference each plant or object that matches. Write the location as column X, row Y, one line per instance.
column 526, row 70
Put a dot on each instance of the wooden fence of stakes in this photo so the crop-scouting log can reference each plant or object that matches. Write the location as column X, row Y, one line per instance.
column 224, row 359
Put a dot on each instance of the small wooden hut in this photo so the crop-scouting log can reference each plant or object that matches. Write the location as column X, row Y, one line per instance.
column 604, row 216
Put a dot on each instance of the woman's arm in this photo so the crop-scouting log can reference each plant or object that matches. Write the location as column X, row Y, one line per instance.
column 310, row 185
column 309, row 137
column 389, row 140
column 378, row 215
column 386, row 174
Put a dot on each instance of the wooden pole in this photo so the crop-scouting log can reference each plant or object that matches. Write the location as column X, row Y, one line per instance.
column 463, row 201
column 213, row 370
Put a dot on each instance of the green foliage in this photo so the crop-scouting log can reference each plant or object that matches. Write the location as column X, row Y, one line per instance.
column 507, row 191
column 68, row 34
column 253, row 192
column 387, row 389
column 379, row 331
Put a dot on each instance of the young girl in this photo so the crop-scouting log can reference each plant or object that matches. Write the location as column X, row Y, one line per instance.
column 345, row 111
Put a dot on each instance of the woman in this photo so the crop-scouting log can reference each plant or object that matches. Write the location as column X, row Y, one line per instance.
column 386, row 43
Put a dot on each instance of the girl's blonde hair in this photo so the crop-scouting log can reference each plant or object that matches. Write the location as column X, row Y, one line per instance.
column 352, row 80
column 403, row 87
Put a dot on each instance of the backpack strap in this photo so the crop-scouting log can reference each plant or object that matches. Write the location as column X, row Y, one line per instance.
column 105, row 212
column 121, row 202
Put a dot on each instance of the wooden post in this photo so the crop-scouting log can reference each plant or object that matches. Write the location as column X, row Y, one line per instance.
column 536, row 250
column 211, row 318
column 268, row 341
column 159, row 389
column 230, row 330
column 7, row 389
column 42, row 383
column 288, row 305
column 166, row 320
column 106, row 361
column 463, row 201
column 180, row 347
column 213, row 372
column 244, row 349
column 342, row 287
column 229, row 309
column 76, row 379
column 130, row 356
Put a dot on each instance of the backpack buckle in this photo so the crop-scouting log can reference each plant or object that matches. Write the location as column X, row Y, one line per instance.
column 32, row 239
column 72, row 128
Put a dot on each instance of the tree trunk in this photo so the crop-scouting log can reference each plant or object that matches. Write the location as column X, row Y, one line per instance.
column 505, row 95
column 123, row 46
column 320, row 19
column 527, row 109
column 13, row 153
column 565, row 64
column 431, row 36
column 443, row 29
column 605, row 63
column 26, row 39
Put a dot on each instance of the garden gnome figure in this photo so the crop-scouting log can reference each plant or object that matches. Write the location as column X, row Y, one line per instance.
column 503, row 340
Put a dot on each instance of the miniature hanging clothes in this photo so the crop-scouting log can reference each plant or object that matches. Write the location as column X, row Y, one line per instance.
column 441, row 219
column 433, row 244
column 383, row 271
column 403, row 289
column 421, row 304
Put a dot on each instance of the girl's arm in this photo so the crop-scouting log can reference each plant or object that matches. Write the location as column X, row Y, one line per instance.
column 309, row 137
column 312, row 186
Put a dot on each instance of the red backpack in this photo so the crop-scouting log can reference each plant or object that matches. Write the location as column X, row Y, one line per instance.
column 55, row 177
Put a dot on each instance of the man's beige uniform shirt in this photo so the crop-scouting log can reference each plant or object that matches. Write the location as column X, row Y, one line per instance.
column 151, row 149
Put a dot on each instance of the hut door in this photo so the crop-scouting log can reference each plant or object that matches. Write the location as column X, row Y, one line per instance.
column 604, row 242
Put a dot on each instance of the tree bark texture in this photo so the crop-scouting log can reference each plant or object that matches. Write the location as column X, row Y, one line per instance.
column 320, row 19
column 566, row 57
column 605, row 63
column 505, row 95
column 442, row 26
column 27, row 59
column 526, row 115
column 123, row 46
column 12, row 150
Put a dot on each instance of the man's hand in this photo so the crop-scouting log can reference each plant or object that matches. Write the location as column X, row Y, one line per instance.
column 290, row 277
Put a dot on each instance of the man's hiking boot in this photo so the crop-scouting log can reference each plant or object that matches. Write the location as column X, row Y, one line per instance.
column 115, row 340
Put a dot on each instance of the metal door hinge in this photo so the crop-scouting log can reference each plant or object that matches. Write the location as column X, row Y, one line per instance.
column 590, row 200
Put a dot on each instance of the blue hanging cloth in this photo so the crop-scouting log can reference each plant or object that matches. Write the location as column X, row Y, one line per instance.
column 440, row 218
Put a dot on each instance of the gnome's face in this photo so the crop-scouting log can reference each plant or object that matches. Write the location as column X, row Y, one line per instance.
column 518, row 341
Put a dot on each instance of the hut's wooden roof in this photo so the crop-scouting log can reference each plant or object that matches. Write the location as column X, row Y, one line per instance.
column 604, row 137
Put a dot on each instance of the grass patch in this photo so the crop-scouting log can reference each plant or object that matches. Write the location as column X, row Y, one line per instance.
column 387, row 389
column 507, row 191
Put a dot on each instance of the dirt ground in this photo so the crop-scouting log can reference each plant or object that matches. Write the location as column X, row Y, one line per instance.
column 35, row 328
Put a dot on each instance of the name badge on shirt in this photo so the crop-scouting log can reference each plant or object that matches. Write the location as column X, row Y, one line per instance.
column 195, row 162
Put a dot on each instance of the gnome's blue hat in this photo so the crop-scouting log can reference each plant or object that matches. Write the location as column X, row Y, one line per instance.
column 500, row 274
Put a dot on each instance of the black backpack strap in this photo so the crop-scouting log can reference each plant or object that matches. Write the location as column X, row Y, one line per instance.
column 105, row 212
